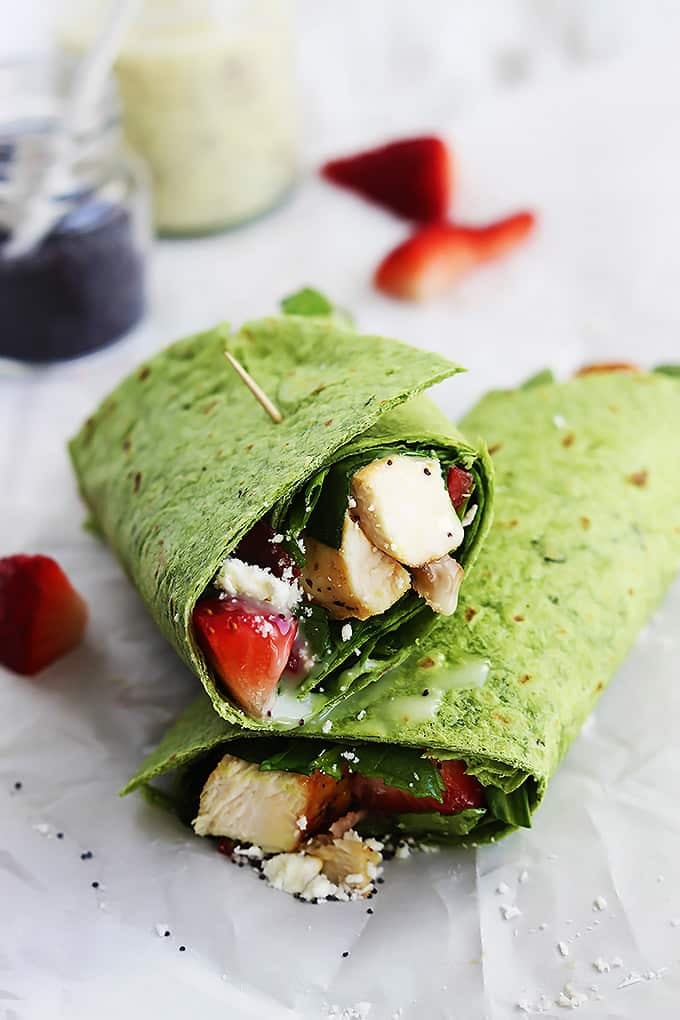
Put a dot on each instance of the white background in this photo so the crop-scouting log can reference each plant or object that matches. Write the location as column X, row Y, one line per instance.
column 569, row 108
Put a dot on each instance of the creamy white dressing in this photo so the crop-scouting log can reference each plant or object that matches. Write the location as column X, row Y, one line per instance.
column 378, row 712
column 288, row 709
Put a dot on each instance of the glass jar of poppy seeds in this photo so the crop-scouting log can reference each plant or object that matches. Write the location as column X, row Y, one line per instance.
column 82, row 285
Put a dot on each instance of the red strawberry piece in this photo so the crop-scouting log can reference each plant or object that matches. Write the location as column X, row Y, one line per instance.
column 258, row 548
column 462, row 791
column 433, row 258
column 411, row 178
column 248, row 647
column 42, row 617
column 460, row 485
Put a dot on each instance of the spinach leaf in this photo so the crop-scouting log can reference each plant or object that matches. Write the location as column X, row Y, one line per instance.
column 539, row 379
column 439, row 827
column 397, row 766
column 307, row 302
column 513, row 808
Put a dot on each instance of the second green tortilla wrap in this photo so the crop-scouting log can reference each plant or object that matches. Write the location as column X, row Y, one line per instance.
column 180, row 462
column 585, row 543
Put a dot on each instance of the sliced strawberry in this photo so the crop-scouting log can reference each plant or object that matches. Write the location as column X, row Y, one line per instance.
column 412, row 178
column 248, row 647
column 437, row 255
column 41, row 615
column 460, row 485
column 462, row 791
column 259, row 549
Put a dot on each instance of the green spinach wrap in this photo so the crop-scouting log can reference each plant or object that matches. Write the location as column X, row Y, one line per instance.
column 271, row 555
column 458, row 741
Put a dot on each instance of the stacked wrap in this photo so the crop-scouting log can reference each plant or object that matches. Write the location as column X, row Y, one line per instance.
column 585, row 542
column 180, row 461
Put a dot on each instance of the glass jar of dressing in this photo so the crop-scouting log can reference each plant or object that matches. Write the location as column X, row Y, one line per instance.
column 82, row 285
column 209, row 101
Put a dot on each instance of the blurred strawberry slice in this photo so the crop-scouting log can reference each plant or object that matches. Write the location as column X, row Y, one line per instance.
column 412, row 178
column 433, row 258
column 248, row 646
column 462, row 791
column 460, row 485
column 42, row 617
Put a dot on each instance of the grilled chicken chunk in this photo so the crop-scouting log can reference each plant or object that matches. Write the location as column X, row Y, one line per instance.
column 274, row 810
column 439, row 583
column 346, row 859
column 356, row 580
column 404, row 508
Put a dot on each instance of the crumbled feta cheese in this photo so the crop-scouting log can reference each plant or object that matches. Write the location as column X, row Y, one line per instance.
column 570, row 999
column 276, row 539
column 402, row 852
column 632, row 978
column 559, row 421
column 319, row 889
column 563, row 948
column 292, row 873
column 346, row 631
column 361, row 715
column 600, row 903
column 327, row 726
column 238, row 578
column 351, row 502
column 301, row 823
column 470, row 515
column 509, row 911
column 254, row 853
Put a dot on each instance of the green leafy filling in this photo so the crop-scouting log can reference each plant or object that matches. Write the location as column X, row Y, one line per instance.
column 513, row 808
column 319, row 509
column 313, row 303
column 542, row 378
column 404, row 768
column 307, row 302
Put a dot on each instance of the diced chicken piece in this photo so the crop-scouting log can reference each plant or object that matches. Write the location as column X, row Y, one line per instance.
column 439, row 583
column 266, row 808
column 404, row 508
column 347, row 861
column 342, row 825
column 356, row 580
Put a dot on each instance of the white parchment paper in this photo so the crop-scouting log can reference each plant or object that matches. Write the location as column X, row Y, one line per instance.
column 596, row 883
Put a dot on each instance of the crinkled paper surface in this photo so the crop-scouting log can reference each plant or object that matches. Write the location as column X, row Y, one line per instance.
column 437, row 945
